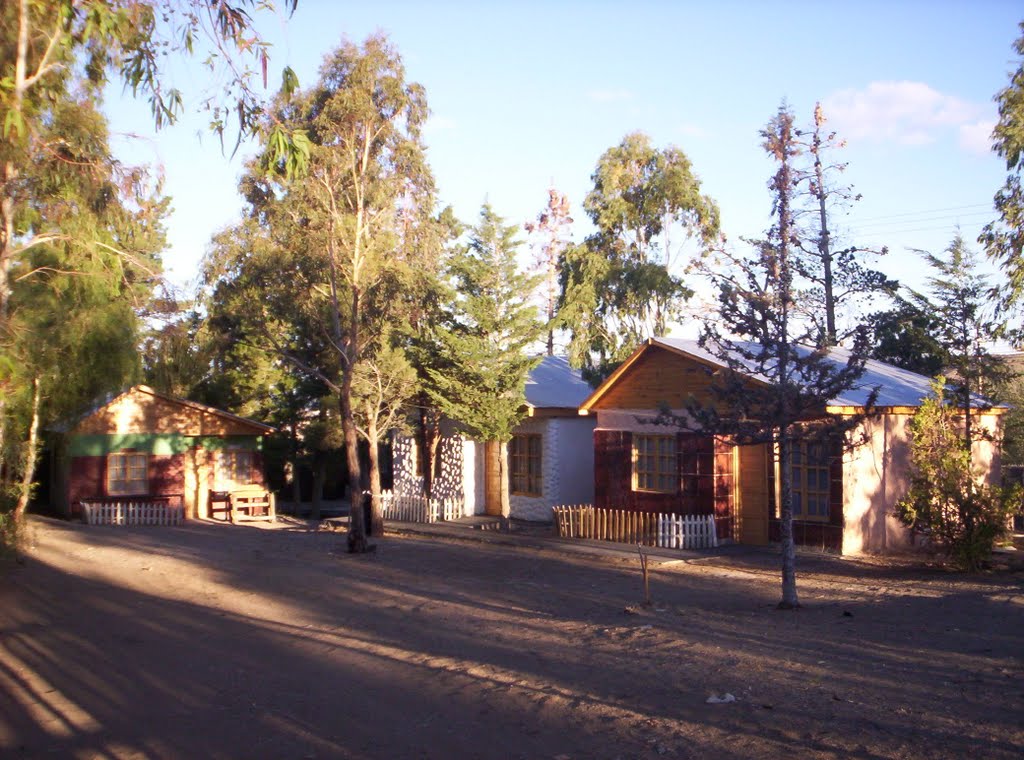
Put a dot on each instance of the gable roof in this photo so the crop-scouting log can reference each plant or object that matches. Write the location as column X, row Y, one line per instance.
column 896, row 387
column 553, row 384
column 69, row 425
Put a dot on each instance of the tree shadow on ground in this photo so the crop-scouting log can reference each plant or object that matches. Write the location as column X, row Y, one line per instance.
column 280, row 644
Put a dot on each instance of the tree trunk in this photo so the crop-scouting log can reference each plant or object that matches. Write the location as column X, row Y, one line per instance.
column 433, row 438
column 357, row 543
column 319, row 476
column 825, row 243
column 376, row 515
column 789, row 597
column 296, row 482
column 506, row 509
column 29, row 471
column 3, row 431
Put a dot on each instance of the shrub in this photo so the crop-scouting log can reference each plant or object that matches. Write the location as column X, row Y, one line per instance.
column 962, row 516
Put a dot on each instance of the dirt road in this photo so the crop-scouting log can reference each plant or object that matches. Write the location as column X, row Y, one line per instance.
column 271, row 642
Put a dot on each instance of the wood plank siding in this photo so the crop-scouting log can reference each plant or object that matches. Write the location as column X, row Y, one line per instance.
column 658, row 376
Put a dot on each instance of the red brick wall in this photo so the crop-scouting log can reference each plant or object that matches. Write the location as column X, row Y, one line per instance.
column 166, row 474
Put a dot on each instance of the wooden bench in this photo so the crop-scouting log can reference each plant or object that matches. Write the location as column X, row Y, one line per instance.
column 252, row 503
column 245, row 503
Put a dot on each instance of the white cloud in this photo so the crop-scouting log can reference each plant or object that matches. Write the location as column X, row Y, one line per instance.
column 977, row 137
column 609, row 96
column 907, row 113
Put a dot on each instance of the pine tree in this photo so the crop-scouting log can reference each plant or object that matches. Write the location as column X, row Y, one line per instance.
column 1004, row 238
column 756, row 334
column 966, row 326
column 486, row 340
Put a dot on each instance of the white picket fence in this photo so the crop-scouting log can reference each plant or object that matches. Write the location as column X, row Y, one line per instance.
column 687, row 532
column 418, row 508
column 132, row 513
column 630, row 527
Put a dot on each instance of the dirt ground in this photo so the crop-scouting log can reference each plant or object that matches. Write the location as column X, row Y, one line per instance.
column 271, row 642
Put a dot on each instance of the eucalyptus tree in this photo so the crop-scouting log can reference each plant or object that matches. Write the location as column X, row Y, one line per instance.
column 623, row 284
column 325, row 246
column 484, row 346
column 56, row 54
column 50, row 49
column 73, row 314
column 551, row 234
column 1004, row 238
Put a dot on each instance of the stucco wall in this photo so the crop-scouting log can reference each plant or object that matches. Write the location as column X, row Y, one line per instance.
column 877, row 474
column 576, row 480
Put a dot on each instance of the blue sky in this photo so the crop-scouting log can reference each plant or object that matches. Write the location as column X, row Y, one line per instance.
column 526, row 94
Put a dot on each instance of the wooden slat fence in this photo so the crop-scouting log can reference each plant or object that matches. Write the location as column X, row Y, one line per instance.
column 132, row 513
column 419, row 508
column 630, row 527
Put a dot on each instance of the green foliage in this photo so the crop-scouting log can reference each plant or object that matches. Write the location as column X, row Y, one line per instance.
column 11, row 530
column 622, row 285
column 965, row 325
column 485, row 341
column 330, row 261
column 906, row 337
column 946, row 501
column 1004, row 238
column 71, row 323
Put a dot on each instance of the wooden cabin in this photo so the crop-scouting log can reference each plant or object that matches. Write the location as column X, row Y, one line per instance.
column 843, row 497
column 148, row 446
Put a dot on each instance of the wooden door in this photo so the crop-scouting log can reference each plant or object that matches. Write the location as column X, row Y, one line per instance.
column 753, row 493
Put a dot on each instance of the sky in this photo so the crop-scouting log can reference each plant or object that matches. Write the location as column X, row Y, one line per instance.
column 527, row 95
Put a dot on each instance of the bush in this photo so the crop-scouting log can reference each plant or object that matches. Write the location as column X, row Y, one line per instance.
column 10, row 535
column 946, row 502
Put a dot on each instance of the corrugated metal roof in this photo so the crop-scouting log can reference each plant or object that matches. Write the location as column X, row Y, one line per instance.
column 553, row 384
column 896, row 387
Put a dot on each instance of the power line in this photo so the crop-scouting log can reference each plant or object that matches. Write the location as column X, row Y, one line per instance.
column 958, row 217
column 878, row 233
column 926, row 211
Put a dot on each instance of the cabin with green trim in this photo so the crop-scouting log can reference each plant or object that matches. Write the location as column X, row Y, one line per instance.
column 144, row 445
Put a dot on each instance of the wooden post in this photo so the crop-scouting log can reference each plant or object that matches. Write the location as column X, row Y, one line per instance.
column 643, row 569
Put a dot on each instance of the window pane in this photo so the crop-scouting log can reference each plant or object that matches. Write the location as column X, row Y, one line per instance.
column 654, row 463
column 525, row 464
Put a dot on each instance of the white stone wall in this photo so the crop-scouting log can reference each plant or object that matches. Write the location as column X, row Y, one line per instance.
column 567, row 452
column 449, row 481
column 567, row 463
column 539, row 507
column 403, row 464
